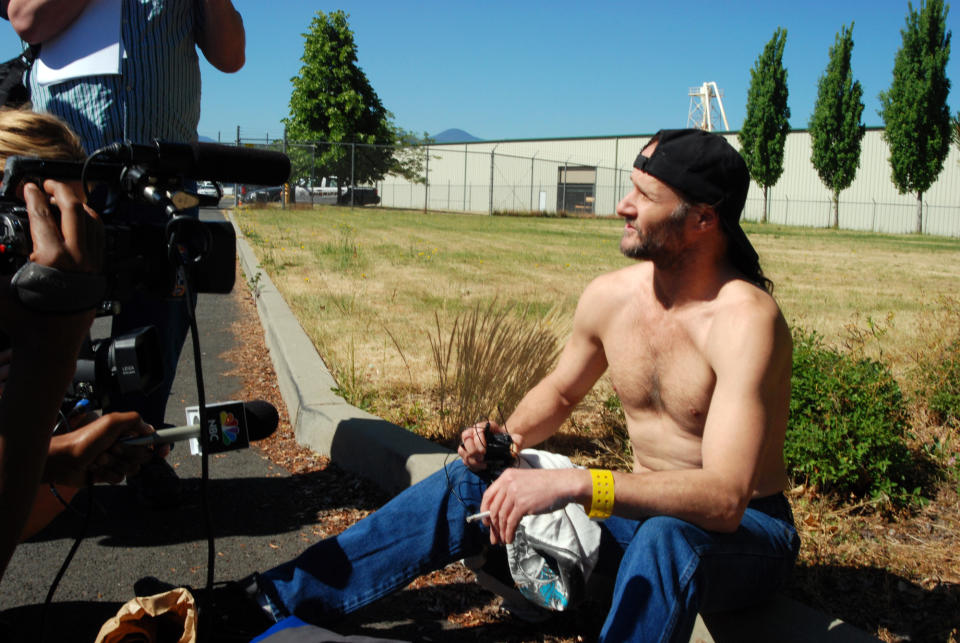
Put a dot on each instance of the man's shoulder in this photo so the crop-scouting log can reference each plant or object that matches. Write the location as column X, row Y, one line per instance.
column 744, row 314
column 631, row 275
column 740, row 297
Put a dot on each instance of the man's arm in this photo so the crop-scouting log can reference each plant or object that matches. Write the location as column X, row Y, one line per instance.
column 221, row 36
column 89, row 454
column 93, row 453
column 37, row 21
column 544, row 408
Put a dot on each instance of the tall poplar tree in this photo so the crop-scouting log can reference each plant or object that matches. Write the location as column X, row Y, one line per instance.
column 333, row 101
column 955, row 130
column 835, row 128
column 914, row 109
column 765, row 128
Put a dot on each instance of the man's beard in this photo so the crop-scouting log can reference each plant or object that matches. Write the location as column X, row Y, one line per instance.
column 661, row 242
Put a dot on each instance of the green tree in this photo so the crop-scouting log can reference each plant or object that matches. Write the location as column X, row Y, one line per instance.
column 955, row 130
column 914, row 109
column 835, row 128
column 333, row 101
column 764, row 131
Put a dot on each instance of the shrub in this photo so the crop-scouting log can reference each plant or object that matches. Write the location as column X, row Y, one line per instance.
column 847, row 426
column 487, row 362
column 942, row 384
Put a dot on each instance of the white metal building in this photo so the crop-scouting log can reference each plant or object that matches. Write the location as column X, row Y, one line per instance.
column 590, row 175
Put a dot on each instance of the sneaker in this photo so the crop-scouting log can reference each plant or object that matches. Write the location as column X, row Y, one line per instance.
column 230, row 611
column 156, row 485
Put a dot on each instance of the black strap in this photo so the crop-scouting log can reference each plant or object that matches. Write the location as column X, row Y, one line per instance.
column 49, row 290
column 13, row 90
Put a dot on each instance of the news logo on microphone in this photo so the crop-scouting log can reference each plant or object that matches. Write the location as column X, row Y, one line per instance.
column 226, row 427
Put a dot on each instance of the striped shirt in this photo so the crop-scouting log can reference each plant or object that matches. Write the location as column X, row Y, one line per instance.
column 156, row 95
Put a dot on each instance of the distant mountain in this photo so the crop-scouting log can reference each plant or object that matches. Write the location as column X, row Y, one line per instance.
column 454, row 135
column 205, row 139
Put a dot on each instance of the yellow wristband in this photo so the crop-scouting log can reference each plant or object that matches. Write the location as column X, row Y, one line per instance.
column 601, row 506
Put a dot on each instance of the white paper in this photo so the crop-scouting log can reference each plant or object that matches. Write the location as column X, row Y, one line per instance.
column 88, row 47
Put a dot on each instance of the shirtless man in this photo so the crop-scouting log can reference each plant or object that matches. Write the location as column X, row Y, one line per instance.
column 700, row 356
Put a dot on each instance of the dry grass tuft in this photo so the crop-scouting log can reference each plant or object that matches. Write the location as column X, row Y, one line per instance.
column 486, row 363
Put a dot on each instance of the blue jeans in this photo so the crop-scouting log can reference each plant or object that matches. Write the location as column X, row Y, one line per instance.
column 666, row 569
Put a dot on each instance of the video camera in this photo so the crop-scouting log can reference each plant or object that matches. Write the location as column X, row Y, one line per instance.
column 164, row 253
column 157, row 253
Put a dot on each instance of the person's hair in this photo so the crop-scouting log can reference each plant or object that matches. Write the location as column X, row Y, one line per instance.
column 26, row 133
column 749, row 266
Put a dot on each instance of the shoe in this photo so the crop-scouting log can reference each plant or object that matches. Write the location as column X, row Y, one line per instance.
column 230, row 611
column 156, row 485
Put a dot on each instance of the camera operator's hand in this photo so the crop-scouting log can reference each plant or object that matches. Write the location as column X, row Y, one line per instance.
column 92, row 453
column 473, row 444
column 75, row 245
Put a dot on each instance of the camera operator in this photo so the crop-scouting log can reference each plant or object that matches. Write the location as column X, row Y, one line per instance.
column 40, row 364
column 44, row 351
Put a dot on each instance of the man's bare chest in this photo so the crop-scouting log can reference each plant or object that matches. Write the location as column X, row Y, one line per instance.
column 660, row 370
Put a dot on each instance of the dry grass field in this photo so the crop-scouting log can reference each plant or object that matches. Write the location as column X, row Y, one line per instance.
column 373, row 288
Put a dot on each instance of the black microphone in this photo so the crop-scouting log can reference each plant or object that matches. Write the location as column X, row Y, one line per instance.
column 206, row 161
column 230, row 164
column 230, row 426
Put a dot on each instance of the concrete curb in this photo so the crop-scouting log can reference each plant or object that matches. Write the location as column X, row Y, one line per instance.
column 357, row 441
column 395, row 458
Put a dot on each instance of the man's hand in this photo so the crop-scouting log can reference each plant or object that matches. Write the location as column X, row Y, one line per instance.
column 473, row 444
column 525, row 492
column 93, row 454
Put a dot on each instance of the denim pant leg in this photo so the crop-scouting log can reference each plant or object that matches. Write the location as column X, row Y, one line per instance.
column 420, row 530
column 671, row 569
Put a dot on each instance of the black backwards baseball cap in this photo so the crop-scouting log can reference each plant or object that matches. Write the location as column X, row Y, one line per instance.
column 704, row 168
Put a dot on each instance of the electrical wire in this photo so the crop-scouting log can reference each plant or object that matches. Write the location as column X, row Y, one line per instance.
column 84, row 525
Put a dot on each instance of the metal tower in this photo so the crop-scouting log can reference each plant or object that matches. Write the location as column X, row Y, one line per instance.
column 706, row 104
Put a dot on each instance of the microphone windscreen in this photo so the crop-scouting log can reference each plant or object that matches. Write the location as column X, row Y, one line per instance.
column 230, row 164
column 262, row 419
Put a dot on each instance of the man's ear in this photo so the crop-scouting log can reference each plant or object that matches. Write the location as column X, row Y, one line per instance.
column 705, row 218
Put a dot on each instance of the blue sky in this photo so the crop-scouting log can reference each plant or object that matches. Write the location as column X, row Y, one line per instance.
column 503, row 70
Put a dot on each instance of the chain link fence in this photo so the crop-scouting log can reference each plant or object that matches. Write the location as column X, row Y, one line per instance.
column 456, row 178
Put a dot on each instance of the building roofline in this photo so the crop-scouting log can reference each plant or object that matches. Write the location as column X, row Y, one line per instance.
column 595, row 138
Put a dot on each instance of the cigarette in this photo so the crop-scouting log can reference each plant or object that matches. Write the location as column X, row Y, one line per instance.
column 479, row 516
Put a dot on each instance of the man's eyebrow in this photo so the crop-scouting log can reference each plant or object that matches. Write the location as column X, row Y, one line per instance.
column 641, row 190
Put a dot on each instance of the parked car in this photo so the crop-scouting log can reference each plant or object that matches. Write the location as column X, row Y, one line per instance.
column 208, row 188
column 254, row 194
column 360, row 196
column 326, row 192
